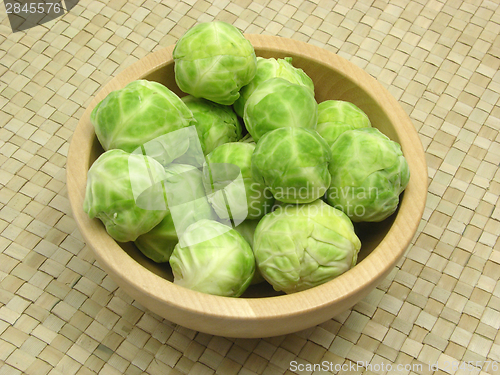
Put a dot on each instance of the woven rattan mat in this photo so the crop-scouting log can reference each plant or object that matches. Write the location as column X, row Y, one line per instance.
column 440, row 308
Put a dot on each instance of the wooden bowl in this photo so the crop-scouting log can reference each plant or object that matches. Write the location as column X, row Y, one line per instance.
column 260, row 312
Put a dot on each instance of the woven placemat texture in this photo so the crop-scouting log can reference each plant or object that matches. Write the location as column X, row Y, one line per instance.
column 60, row 313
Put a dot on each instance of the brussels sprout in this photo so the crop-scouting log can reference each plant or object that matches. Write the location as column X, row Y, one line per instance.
column 293, row 163
column 247, row 230
column 230, row 200
column 186, row 196
column 187, row 204
column 124, row 191
column 213, row 258
column 369, row 172
column 271, row 68
column 215, row 123
column 180, row 146
column 247, row 139
column 278, row 103
column 213, row 60
column 301, row 246
column 159, row 242
column 141, row 111
column 337, row 116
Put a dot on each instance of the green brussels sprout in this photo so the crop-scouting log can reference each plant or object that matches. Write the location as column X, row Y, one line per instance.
column 337, row 116
column 369, row 172
column 213, row 258
column 270, row 68
column 141, row 111
column 247, row 139
column 124, row 191
column 180, row 146
column 301, row 246
column 224, row 168
column 186, row 196
column 216, row 124
column 293, row 163
column 278, row 103
column 247, row 230
column 187, row 203
column 213, row 60
column 159, row 242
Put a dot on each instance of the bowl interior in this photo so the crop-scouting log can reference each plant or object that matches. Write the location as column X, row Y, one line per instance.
column 330, row 83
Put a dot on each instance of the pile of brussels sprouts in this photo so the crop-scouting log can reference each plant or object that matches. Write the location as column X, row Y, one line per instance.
column 246, row 178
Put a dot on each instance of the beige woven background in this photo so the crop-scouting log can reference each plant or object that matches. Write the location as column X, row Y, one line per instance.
column 61, row 314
